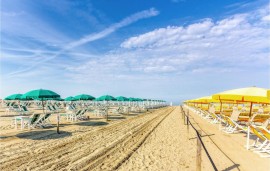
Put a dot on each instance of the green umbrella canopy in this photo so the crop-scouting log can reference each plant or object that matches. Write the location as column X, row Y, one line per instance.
column 14, row 97
column 84, row 97
column 121, row 98
column 41, row 94
column 70, row 98
column 132, row 99
column 106, row 98
column 139, row 100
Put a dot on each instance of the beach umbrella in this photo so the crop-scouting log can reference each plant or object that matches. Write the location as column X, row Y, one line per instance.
column 84, row 97
column 139, row 99
column 131, row 99
column 206, row 99
column 13, row 97
column 249, row 94
column 70, row 98
column 43, row 95
column 40, row 94
column 106, row 98
column 121, row 98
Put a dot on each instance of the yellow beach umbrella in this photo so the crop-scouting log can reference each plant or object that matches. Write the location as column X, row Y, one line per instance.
column 206, row 99
column 249, row 94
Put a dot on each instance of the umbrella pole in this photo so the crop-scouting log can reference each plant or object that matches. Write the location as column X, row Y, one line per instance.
column 249, row 123
column 58, row 120
column 42, row 105
column 220, row 113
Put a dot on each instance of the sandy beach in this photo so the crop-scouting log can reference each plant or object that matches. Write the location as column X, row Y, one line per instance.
column 156, row 140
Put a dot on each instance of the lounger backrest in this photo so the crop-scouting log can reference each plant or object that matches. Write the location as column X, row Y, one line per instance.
column 78, row 112
column 254, row 130
column 53, row 107
column 34, row 118
column 24, row 108
column 235, row 114
column 46, row 116
column 266, row 133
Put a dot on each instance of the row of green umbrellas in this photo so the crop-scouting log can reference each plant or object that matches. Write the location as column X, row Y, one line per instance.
column 106, row 98
column 41, row 94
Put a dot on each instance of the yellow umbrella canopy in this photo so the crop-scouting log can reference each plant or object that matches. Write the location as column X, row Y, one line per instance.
column 206, row 99
column 249, row 94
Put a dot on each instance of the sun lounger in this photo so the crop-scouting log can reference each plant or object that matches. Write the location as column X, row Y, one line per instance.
column 81, row 115
column 264, row 136
column 232, row 125
column 31, row 121
column 44, row 121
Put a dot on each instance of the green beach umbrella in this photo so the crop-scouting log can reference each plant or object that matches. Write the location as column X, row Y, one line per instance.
column 106, row 98
column 121, row 98
column 138, row 99
column 84, row 97
column 40, row 94
column 132, row 99
column 70, row 98
column 13, row 97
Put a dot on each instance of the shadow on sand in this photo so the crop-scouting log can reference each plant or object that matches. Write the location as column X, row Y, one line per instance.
column 91, row 123
column 115, row 117
column 43, row 135
column 233, row 167
column 131, row 114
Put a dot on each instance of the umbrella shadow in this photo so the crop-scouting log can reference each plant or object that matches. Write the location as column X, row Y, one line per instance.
column 4, row 137
column 116, row 117
column 131, row 114
column 13, row 115
column 43, row 135
column 92, row 123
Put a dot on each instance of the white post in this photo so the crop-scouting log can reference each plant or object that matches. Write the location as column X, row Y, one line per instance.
column 248, row 135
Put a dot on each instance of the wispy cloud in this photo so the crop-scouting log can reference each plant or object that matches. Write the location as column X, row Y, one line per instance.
column 95, row 36
column 126, row 21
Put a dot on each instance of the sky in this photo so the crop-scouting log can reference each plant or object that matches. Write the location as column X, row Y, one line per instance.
column 160, row 49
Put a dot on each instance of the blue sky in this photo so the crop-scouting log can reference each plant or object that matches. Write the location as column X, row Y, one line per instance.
column 166, row 49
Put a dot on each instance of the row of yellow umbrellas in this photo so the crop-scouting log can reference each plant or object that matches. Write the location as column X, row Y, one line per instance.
column 241, row 95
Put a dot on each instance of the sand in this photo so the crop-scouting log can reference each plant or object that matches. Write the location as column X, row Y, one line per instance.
column 156, row 140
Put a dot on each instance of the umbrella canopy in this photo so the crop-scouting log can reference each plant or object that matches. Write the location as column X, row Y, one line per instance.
column 138, row 99
column 13, row 97
column 106, row 98
column 84, row 97
column 40, row 94
column 70, row 98
column 206, row 99
column 131, row 99
column 121, row 98
column 249, row 94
